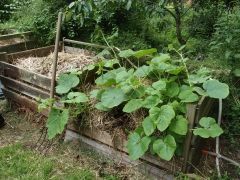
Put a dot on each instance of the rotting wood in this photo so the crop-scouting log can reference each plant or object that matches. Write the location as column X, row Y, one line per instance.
column 23, row 88
column 39, row 52
column 197, row 143
column 144, row 167
column 3, row 57
column 84, row 43
column 15, row 72
column 16, row 47
column 119, row 143
column 15, row 35
column 23, row 101
column 191, row 114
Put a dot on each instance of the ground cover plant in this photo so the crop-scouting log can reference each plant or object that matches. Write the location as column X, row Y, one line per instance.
column 159, row 84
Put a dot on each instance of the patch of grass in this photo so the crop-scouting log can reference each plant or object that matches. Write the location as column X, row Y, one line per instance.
column 18, row 163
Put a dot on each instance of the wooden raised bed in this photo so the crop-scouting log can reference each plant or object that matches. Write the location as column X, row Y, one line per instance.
column 10, row 43
column 24, row 87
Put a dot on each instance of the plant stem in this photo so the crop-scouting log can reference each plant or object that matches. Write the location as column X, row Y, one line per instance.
column 217, row 139
column 223, row 157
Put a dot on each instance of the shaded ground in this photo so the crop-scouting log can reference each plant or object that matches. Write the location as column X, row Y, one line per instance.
column 20, row 159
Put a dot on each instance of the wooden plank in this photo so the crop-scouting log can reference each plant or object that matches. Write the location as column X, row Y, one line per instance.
column 73, row 50
column 84, row 43
column 16, row 47
column 24, row 75
column 146, row 168
column 38, row 52
column 23, row 88
column 15, row 35
column 3, row 57
column 197, row 143
column 119, row 143
column 22, row 101
column 191, row 115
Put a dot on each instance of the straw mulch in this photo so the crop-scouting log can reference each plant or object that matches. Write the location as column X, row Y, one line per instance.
column 66, row 62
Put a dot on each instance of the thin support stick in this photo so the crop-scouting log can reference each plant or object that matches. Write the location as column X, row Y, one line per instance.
column 222, row 157
column 54, row 67
column 217, row 139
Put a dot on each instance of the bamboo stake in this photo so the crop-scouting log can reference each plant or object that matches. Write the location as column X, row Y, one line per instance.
column 54, row 67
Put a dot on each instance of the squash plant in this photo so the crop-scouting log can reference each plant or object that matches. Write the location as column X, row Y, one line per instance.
column 145, row 79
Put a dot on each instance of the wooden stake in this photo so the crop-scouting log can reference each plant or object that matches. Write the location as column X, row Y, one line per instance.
column 54, row 67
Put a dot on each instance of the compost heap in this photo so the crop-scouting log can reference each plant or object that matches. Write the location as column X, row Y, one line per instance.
column 66, row 62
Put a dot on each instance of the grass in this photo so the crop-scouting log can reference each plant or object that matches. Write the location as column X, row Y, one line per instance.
column 19, row 158
column 19, row 163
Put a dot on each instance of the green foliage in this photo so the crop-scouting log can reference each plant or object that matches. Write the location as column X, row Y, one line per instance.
column 226, row 38
column 209, row 128
column 57, row 119
column 137, row 146
column 216, row 89
column 167, row 91
column 66, row 82
column 17, row 162
column 165, row 148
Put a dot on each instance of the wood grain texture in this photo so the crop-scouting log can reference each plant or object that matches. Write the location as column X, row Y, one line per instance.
column 23, row 101
column 23, row 88
column 12, row 71
column 119, row 157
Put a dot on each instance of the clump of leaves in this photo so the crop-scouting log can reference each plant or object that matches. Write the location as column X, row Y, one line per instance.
column 168, row 90
column 147, row 80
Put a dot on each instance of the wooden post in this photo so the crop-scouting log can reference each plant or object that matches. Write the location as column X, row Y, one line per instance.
column 54, row 67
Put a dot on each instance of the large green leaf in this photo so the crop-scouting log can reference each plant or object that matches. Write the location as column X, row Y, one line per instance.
column 152, row 101
column 142, row 71
column 172, row 89
column 76, row 97
column 112, row 97
column 209, row 128
column 179, row 125
column 165, row 116
column 133, row 105
column 148, row 125
column 216, row 89
column 66, row 82
column 137, row 146
column 159, row 85
column 126, row 53
column 162, row 58
column 101, row 107
column 165, row 148
column 188, row 96
column 56, row 122
column 145, row 52
column 162, row 116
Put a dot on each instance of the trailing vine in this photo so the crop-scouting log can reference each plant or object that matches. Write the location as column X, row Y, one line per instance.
column 157, row 83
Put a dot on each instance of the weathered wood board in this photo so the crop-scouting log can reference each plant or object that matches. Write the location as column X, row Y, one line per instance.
column 120, row 157
column 37, row 80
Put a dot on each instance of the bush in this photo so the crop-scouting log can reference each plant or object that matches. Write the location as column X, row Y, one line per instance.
column 226, row 38
column 40, row 18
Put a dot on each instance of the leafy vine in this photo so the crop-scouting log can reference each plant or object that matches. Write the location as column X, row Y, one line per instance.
column 158, row 83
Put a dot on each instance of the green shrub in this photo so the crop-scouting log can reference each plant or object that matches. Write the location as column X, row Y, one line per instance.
column 226, row 38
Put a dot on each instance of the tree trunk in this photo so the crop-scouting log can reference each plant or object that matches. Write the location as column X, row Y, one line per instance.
column 178, row 19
